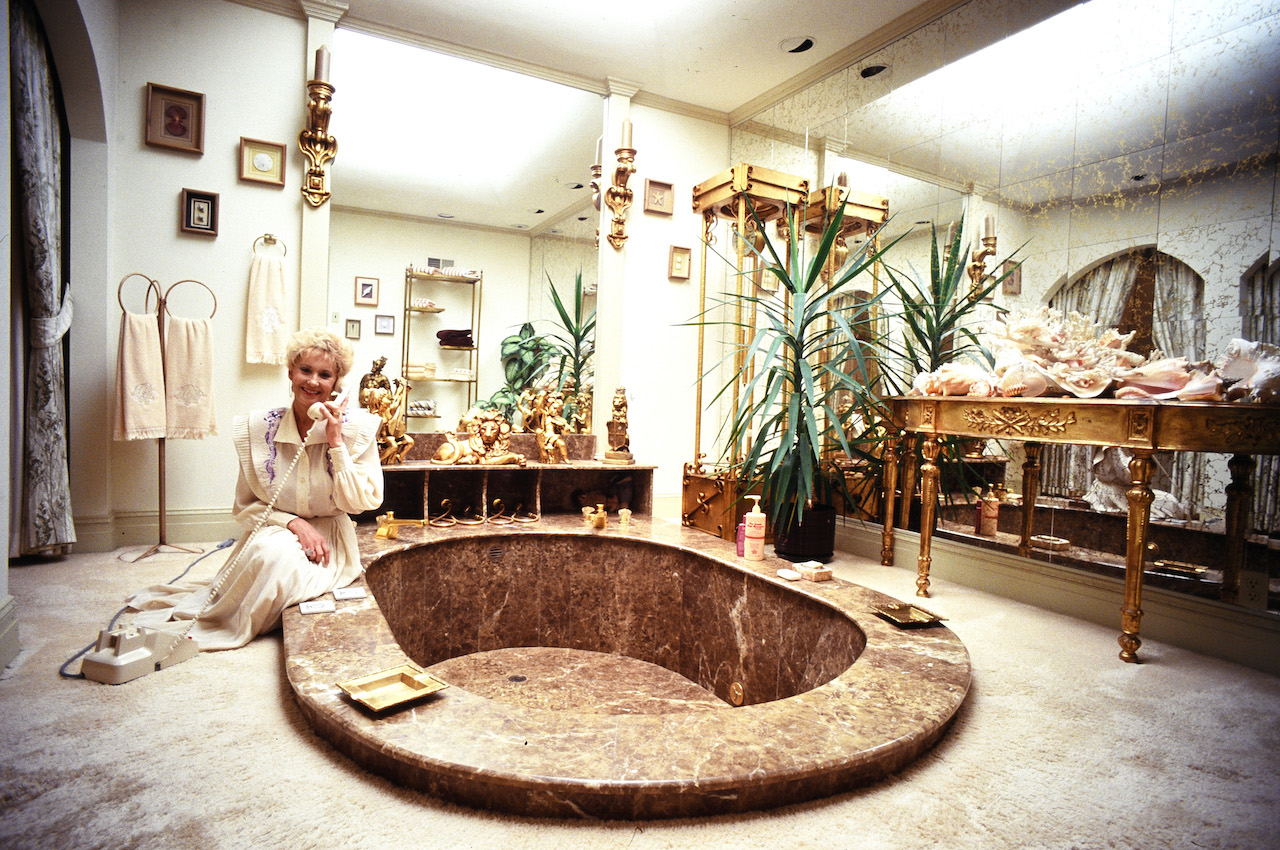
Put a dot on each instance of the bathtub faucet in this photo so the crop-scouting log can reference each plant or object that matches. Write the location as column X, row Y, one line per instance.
column 388, row 525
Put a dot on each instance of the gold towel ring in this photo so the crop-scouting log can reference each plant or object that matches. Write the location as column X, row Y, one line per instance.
column 152, row 286
column 271, row 239
column 179, row 283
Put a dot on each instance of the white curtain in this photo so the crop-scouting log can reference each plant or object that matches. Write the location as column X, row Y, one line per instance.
column 1260, row 311
column 42, row 486
column 1177, row 326
column 1101, row 295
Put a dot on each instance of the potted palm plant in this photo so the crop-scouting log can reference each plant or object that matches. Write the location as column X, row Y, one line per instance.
column 935, row 330
column 574, row 340
column 800, row 404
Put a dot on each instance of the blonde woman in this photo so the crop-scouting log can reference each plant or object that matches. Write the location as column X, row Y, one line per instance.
column 300, row 478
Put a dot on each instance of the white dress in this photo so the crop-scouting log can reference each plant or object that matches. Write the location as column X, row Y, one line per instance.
column 267, row 571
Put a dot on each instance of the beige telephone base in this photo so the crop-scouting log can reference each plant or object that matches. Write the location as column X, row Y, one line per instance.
column 126, row 653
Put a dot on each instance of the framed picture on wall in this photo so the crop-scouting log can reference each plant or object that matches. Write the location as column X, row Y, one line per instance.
column 367, row 291
column 659, row 197
column 678, row 261
column 1011, row 285
column 384, row 325
column 353, row 328
column 261, row 162
column 174, row 119
column 199, row 212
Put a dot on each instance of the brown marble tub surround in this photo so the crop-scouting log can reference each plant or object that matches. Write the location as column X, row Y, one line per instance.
column 833, row 695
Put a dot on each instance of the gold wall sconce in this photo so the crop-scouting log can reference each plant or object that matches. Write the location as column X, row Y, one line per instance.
column 978, row 265
column 618, row 196
column 315, row 141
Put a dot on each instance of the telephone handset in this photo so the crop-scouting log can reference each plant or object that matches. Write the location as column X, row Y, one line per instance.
column 316, row 411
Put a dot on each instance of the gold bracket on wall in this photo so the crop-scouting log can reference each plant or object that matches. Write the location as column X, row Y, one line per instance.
column 316, row 143
column 618, row 197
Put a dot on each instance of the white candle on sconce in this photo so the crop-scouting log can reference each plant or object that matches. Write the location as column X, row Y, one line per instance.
column 626, row 133
column 988, row 226
column 322, row 64
column 951, row 235
column 600, row 150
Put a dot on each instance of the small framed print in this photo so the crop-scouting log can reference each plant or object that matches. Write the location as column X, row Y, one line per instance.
column 199, row 213
column 678, row 262
column 353, row 328
column 1012, row 284
column 659, row 198
column 384, row 325
column 367, row 291
column 174, row 119
column 261, row 162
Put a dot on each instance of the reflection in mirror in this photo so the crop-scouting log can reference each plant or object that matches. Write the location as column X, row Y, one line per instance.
column 1106, row 138
column 440, row 157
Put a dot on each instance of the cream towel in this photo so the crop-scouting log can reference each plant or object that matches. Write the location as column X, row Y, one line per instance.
column 265, row 334
column 139, row 379
column 188, row 362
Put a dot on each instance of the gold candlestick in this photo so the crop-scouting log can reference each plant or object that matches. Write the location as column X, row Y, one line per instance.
column 978, row 266
column 316, row 143
column 618, row 197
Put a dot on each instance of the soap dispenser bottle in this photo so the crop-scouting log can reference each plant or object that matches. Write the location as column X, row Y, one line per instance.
column 753, row 546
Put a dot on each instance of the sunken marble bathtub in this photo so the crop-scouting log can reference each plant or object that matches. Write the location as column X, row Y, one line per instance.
column 832, row 696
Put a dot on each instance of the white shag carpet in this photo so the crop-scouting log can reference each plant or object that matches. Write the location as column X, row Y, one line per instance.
column 1059, row 745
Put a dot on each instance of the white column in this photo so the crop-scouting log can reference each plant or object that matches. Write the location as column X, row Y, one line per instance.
column 313, row 289
column 612, row 263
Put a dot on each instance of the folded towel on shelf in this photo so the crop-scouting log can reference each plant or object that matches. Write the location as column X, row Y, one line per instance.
column 456, row 338
column 265, row 333
column 188, row 358
column 419, row 371
column 457, row 271
column 139, row 413
column 462, row 375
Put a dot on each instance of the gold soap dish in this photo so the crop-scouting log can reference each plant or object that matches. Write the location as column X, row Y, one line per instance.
column 393, row 687
column 904, row 615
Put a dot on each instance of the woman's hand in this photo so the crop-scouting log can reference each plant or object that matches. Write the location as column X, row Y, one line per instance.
column 333, row 419
column 313, row 544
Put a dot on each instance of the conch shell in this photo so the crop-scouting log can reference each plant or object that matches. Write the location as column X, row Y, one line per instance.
column 1255, row 369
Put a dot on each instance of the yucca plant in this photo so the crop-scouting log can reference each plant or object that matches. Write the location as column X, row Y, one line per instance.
column 934, row 314
column 934, row 321
column 798, row 401
column 575, row 339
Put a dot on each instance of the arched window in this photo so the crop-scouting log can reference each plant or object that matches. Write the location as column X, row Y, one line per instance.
column 1260, row 322
column 1161, row 300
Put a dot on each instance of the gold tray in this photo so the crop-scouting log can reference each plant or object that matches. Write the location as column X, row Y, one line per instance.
column 906, row 616
column 392, row 687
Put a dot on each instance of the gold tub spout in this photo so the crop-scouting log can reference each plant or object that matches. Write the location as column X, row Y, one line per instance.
column 388, row 525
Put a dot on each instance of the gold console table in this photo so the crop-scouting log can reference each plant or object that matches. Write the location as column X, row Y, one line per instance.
column 1142, row 427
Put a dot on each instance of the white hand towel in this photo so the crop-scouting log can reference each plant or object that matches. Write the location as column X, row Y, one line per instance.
column 139, row 379
column 265, row 334
column 188, row 361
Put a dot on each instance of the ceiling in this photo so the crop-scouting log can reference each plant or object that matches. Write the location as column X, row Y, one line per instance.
column 495, row 122
column 408, row 138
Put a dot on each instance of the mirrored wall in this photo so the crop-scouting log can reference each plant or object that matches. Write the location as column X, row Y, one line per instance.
column 1108, row 129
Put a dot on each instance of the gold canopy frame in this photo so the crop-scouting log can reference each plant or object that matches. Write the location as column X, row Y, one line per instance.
column 744, row 195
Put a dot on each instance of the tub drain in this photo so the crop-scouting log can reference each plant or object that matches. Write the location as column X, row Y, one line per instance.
column 517, row 678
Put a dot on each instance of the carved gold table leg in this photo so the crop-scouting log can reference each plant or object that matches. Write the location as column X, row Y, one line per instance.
column 928, row 499
column 1140, row 498
column 1030, row 492
column 890, row 483
column 908, row 488
column 1239, row 508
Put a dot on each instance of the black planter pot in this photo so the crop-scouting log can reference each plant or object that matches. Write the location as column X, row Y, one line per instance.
column 813, row 539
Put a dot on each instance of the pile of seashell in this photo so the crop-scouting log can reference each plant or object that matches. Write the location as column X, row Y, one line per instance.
column 1042, row 352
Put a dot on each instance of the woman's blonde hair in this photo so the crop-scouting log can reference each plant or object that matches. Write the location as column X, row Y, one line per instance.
column 322, row 341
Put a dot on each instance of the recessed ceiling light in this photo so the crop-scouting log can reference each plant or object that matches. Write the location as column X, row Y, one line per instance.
column 582, row 218
column 575, row 185
column 536, row 211
column 871, row 70
column 798, row 44
column 445, row 215
column 521, row 227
